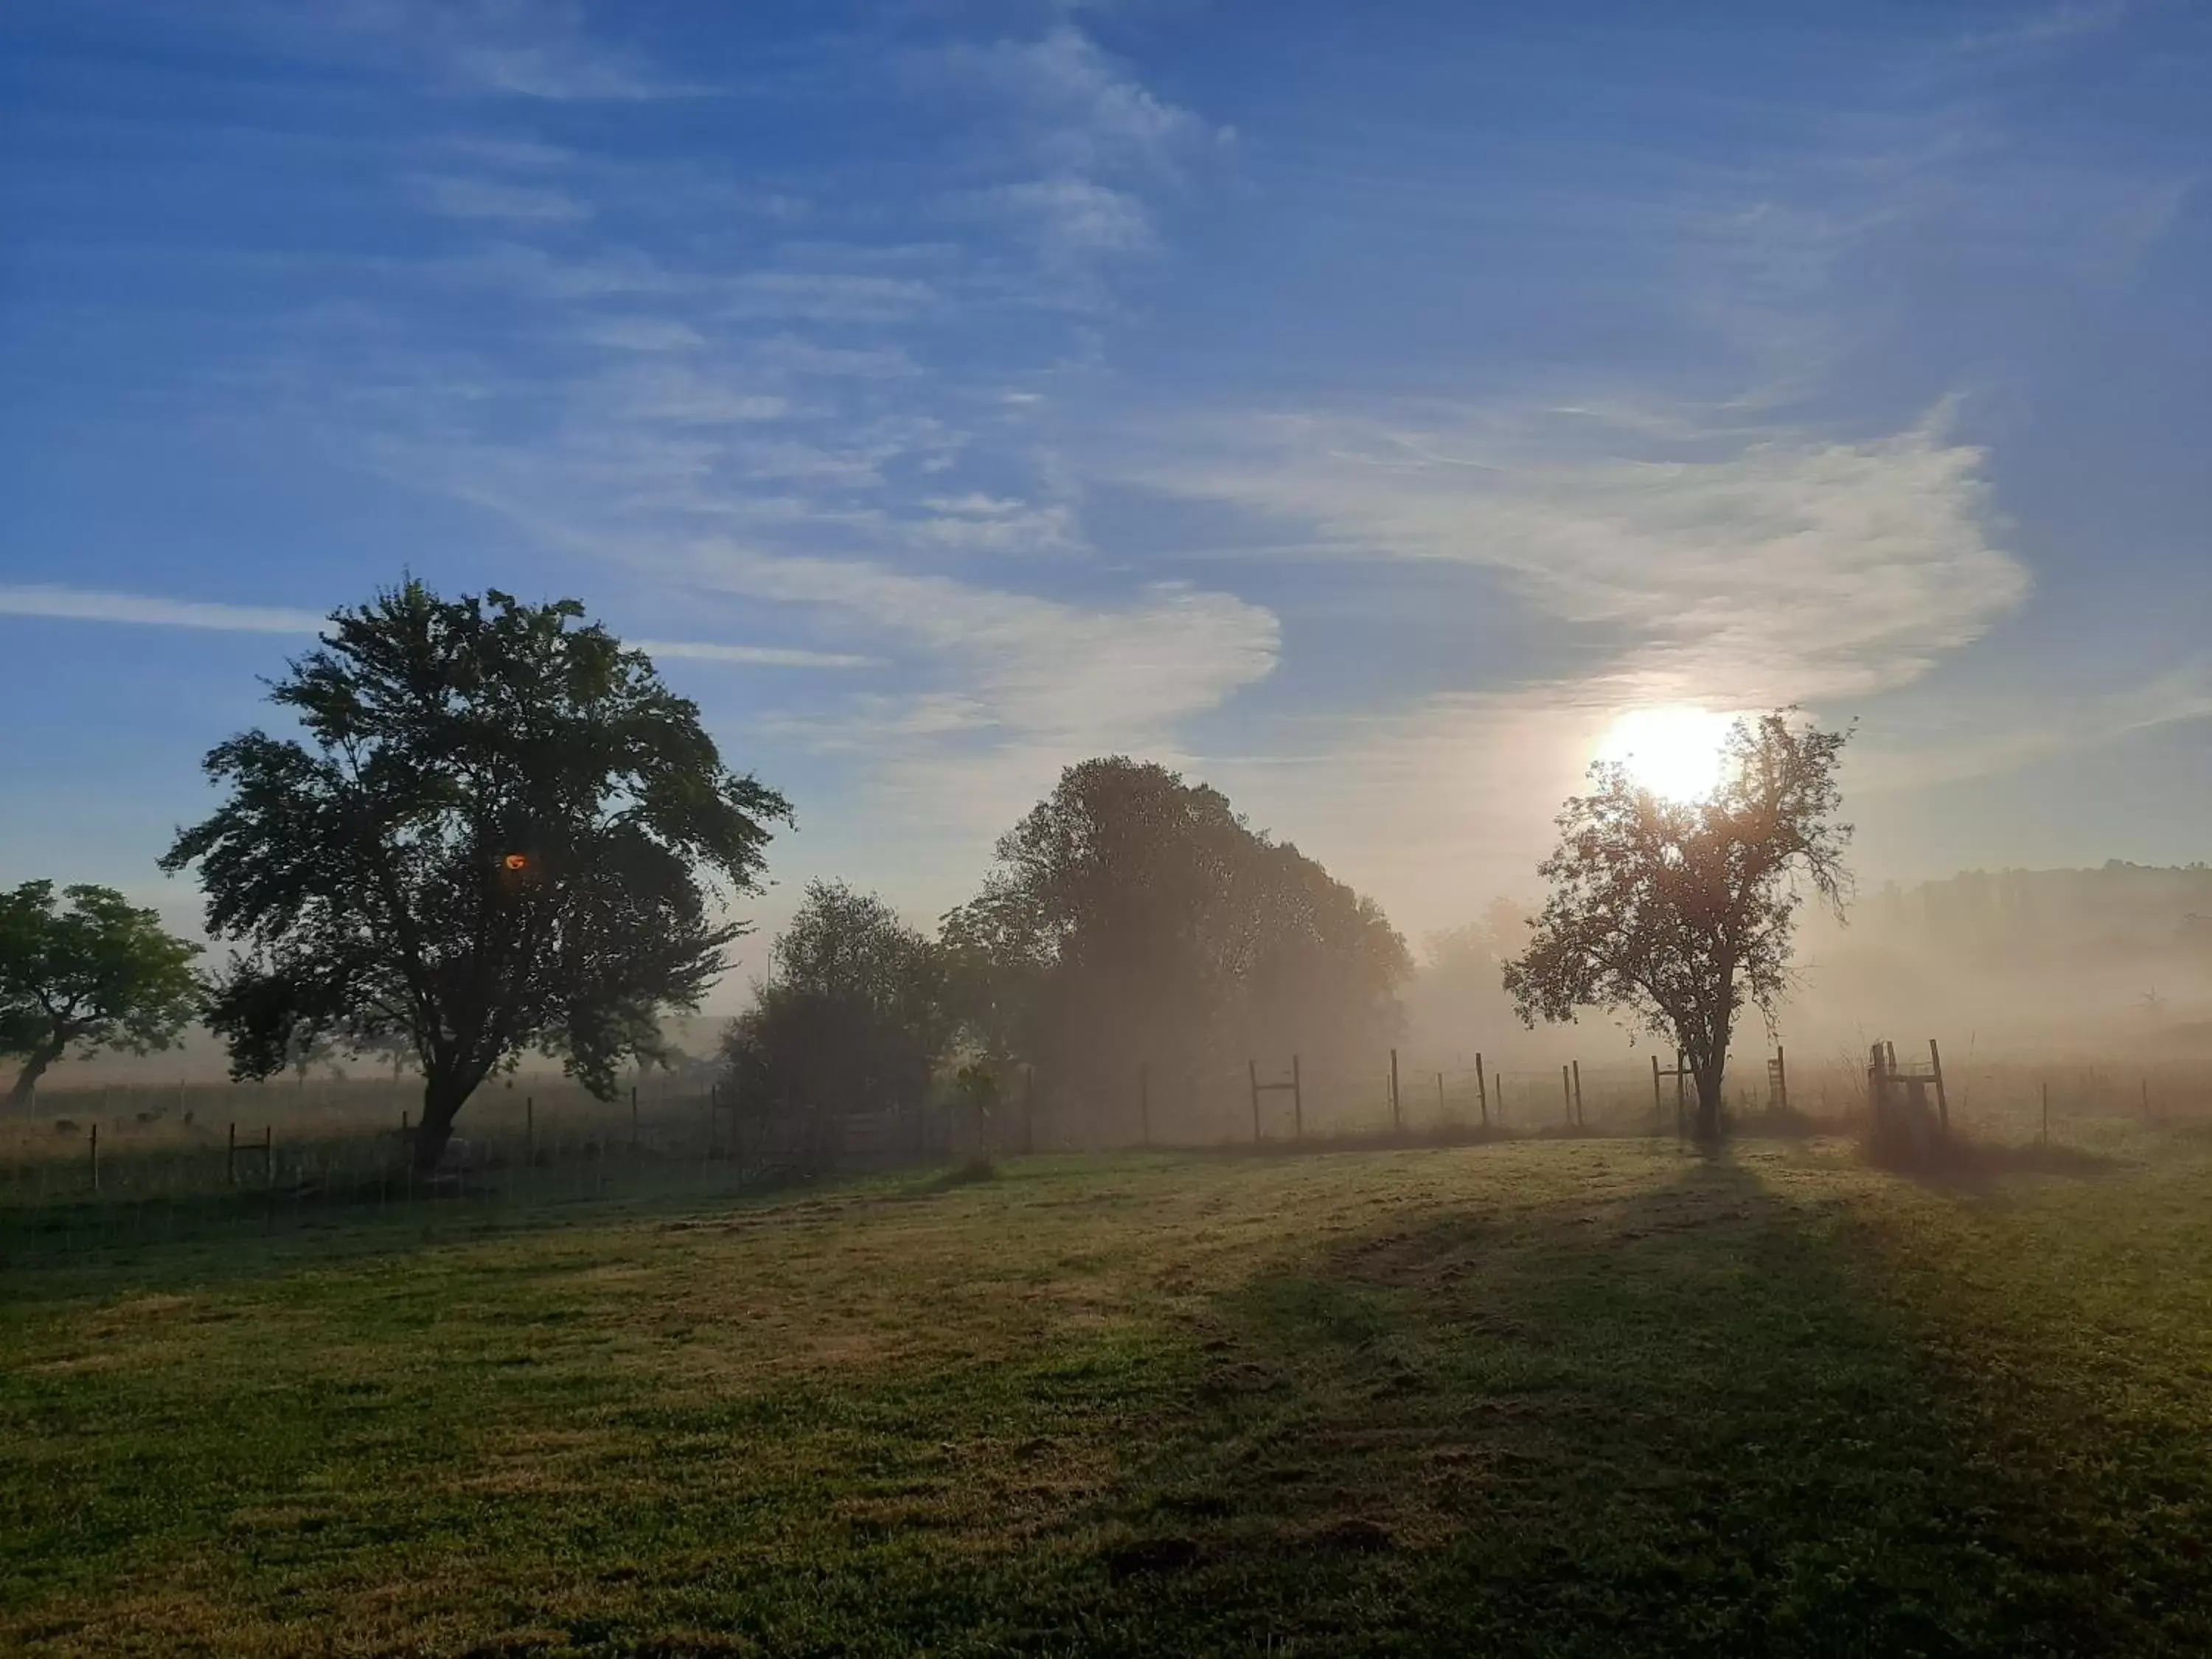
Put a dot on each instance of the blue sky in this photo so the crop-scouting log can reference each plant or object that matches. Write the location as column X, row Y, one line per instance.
column 1360, row 407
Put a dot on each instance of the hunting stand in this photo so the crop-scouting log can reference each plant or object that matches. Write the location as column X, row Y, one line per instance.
column 1897, row 1098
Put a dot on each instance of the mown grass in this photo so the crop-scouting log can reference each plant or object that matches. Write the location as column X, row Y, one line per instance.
column 1559, row 1398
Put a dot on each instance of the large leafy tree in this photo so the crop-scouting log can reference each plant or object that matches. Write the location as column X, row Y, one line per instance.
column 854, row 1020
column 499, row 831
column 1134, row 918
column 1676, row 913
column 101, row 973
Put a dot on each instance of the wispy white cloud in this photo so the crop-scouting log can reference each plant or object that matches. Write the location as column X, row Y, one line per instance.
column 988, row 523
column 83, row 604
column 827, row 296
column 1970, row 736
column 678, row 395
column 535, row 49
column 789, row 355
column 761, row 656
column 642, row 334
column 1087, row 139
column 1027, row 664
column 1752, row 570
column 462, row 197
column 2037, row 29
column 1081, row 111
column 536, row 274
column 1074, row 218
column 1004, row 689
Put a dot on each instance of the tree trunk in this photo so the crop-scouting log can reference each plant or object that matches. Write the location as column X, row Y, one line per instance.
column 27, row 1081
column 1708, row 1069
column 1709, row 1101
column 442, row 1099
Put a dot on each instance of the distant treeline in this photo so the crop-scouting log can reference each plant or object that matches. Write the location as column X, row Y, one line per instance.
column 2123, row 906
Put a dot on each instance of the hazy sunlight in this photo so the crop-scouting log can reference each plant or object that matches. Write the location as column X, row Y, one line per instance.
column 1672, row 751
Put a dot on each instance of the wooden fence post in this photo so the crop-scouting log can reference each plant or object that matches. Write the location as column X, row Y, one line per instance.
column 1658, row 1112
column 1482, row 1090
column 1297, row 1103
column 1567, row 1094
column 1581, row 1122
column 1942, row 1101
column 1395, row 1123
column 1782, row 1074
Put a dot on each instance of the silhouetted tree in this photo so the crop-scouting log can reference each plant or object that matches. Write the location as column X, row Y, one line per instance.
column 1135, row 919
column 1675, row 913
column 100, row 974
column 854, row 1019
column 492, row 840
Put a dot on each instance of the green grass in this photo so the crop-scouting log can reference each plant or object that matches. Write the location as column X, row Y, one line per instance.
column 1559, row 1398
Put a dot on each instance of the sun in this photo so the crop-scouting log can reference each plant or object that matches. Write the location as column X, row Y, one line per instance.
column 1674, row 751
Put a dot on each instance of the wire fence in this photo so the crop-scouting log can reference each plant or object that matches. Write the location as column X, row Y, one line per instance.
column 96, row 1168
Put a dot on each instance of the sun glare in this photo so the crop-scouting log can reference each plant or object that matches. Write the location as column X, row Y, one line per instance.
column 1672, row 751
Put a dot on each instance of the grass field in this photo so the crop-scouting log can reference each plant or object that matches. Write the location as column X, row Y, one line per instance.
column 1570, row 1397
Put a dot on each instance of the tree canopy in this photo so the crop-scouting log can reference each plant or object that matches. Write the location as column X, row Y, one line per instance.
column 101, row 973
column 1674, row 913
column 854, row 1020
column 1134, row 919
column 499, row 831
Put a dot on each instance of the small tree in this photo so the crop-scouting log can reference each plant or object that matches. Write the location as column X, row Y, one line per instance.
column 1674, row 912
column 855, row 1020
column 492, row 840
column 100, row 974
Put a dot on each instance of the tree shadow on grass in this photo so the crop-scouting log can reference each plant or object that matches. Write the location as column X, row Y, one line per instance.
column 1959, row 1164
column 88, row 1247
column 1683, row 1421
